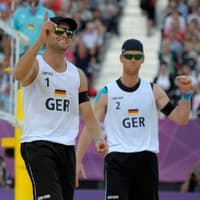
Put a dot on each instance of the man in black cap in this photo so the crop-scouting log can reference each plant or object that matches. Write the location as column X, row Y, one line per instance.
column 54, row 94
column 128, row 106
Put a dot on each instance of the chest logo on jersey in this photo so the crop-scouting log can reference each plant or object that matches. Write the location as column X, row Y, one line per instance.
column 133, row 122
column 117, row 98
column 47, row 73
column 59, row 103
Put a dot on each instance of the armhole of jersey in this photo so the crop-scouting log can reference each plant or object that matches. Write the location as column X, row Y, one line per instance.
column 151, row 85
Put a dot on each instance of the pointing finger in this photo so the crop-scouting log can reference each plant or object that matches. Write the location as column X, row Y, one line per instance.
column 46, row 17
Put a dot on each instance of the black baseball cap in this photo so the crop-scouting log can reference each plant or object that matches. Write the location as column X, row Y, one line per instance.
column 132, row 44
column 71, row 22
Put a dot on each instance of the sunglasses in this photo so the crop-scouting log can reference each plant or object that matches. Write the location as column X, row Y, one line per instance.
column 61, row 31
column 131, row 56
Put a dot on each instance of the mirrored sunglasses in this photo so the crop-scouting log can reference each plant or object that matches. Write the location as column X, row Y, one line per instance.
column 61, row 31
column 131, row 56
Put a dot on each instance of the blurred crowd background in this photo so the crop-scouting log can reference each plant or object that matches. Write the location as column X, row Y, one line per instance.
column 99, row 20
column 180, row 49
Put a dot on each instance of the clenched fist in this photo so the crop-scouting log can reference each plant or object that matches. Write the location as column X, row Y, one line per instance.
column 184, row 83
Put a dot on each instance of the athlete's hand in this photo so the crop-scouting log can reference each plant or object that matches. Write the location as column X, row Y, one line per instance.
column 101, row 147
column 184, row 83
column 47, row 28
column 80, row 171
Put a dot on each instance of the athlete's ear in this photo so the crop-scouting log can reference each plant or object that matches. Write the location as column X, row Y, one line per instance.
column 143, row 59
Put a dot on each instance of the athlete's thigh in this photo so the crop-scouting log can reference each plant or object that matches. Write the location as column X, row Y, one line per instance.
column 67, row 172
column 146, row 185
column 42, row 170
column 116, row 178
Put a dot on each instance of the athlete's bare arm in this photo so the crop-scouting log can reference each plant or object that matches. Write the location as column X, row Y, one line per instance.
column 86, row 138
column 100, row 105
column 27, row 68
column 181, row 113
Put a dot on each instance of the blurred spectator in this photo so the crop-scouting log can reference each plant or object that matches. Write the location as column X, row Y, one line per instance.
column 195, row 13
column 177, row 48
column 93, row 38
column 2, row 172
column 4, row 90
column 169, row 56
column 4, row 16
column 85, row 61
column 110, row 15
column 196, row 104
column 192, row 28
column 4, row 11
column 197, row 66
column 188, row 71
column 191, row 49
column 183, row 8
column 149, row 8
column 192, row 183
column 176, row 23
column 72, row 7
column 6, row 181
column 54, row 5
column 86, row 15
column 166, row 81
column 77, row 18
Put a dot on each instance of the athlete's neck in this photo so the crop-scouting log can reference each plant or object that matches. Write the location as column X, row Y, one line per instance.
column 129, row 82
column 58, row 65
column 126, row 88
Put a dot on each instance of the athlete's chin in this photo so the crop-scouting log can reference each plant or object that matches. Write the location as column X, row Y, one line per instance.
column 63, row 47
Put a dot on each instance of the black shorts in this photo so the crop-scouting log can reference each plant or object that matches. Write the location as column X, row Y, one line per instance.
column 51, row 167
column 131, row 176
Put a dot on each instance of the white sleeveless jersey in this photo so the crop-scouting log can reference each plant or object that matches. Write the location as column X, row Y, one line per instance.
column 51, row 105
column 131, row 121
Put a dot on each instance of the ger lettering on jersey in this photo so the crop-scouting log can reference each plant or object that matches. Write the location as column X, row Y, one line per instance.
column 56, row 96
column 130, row 108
